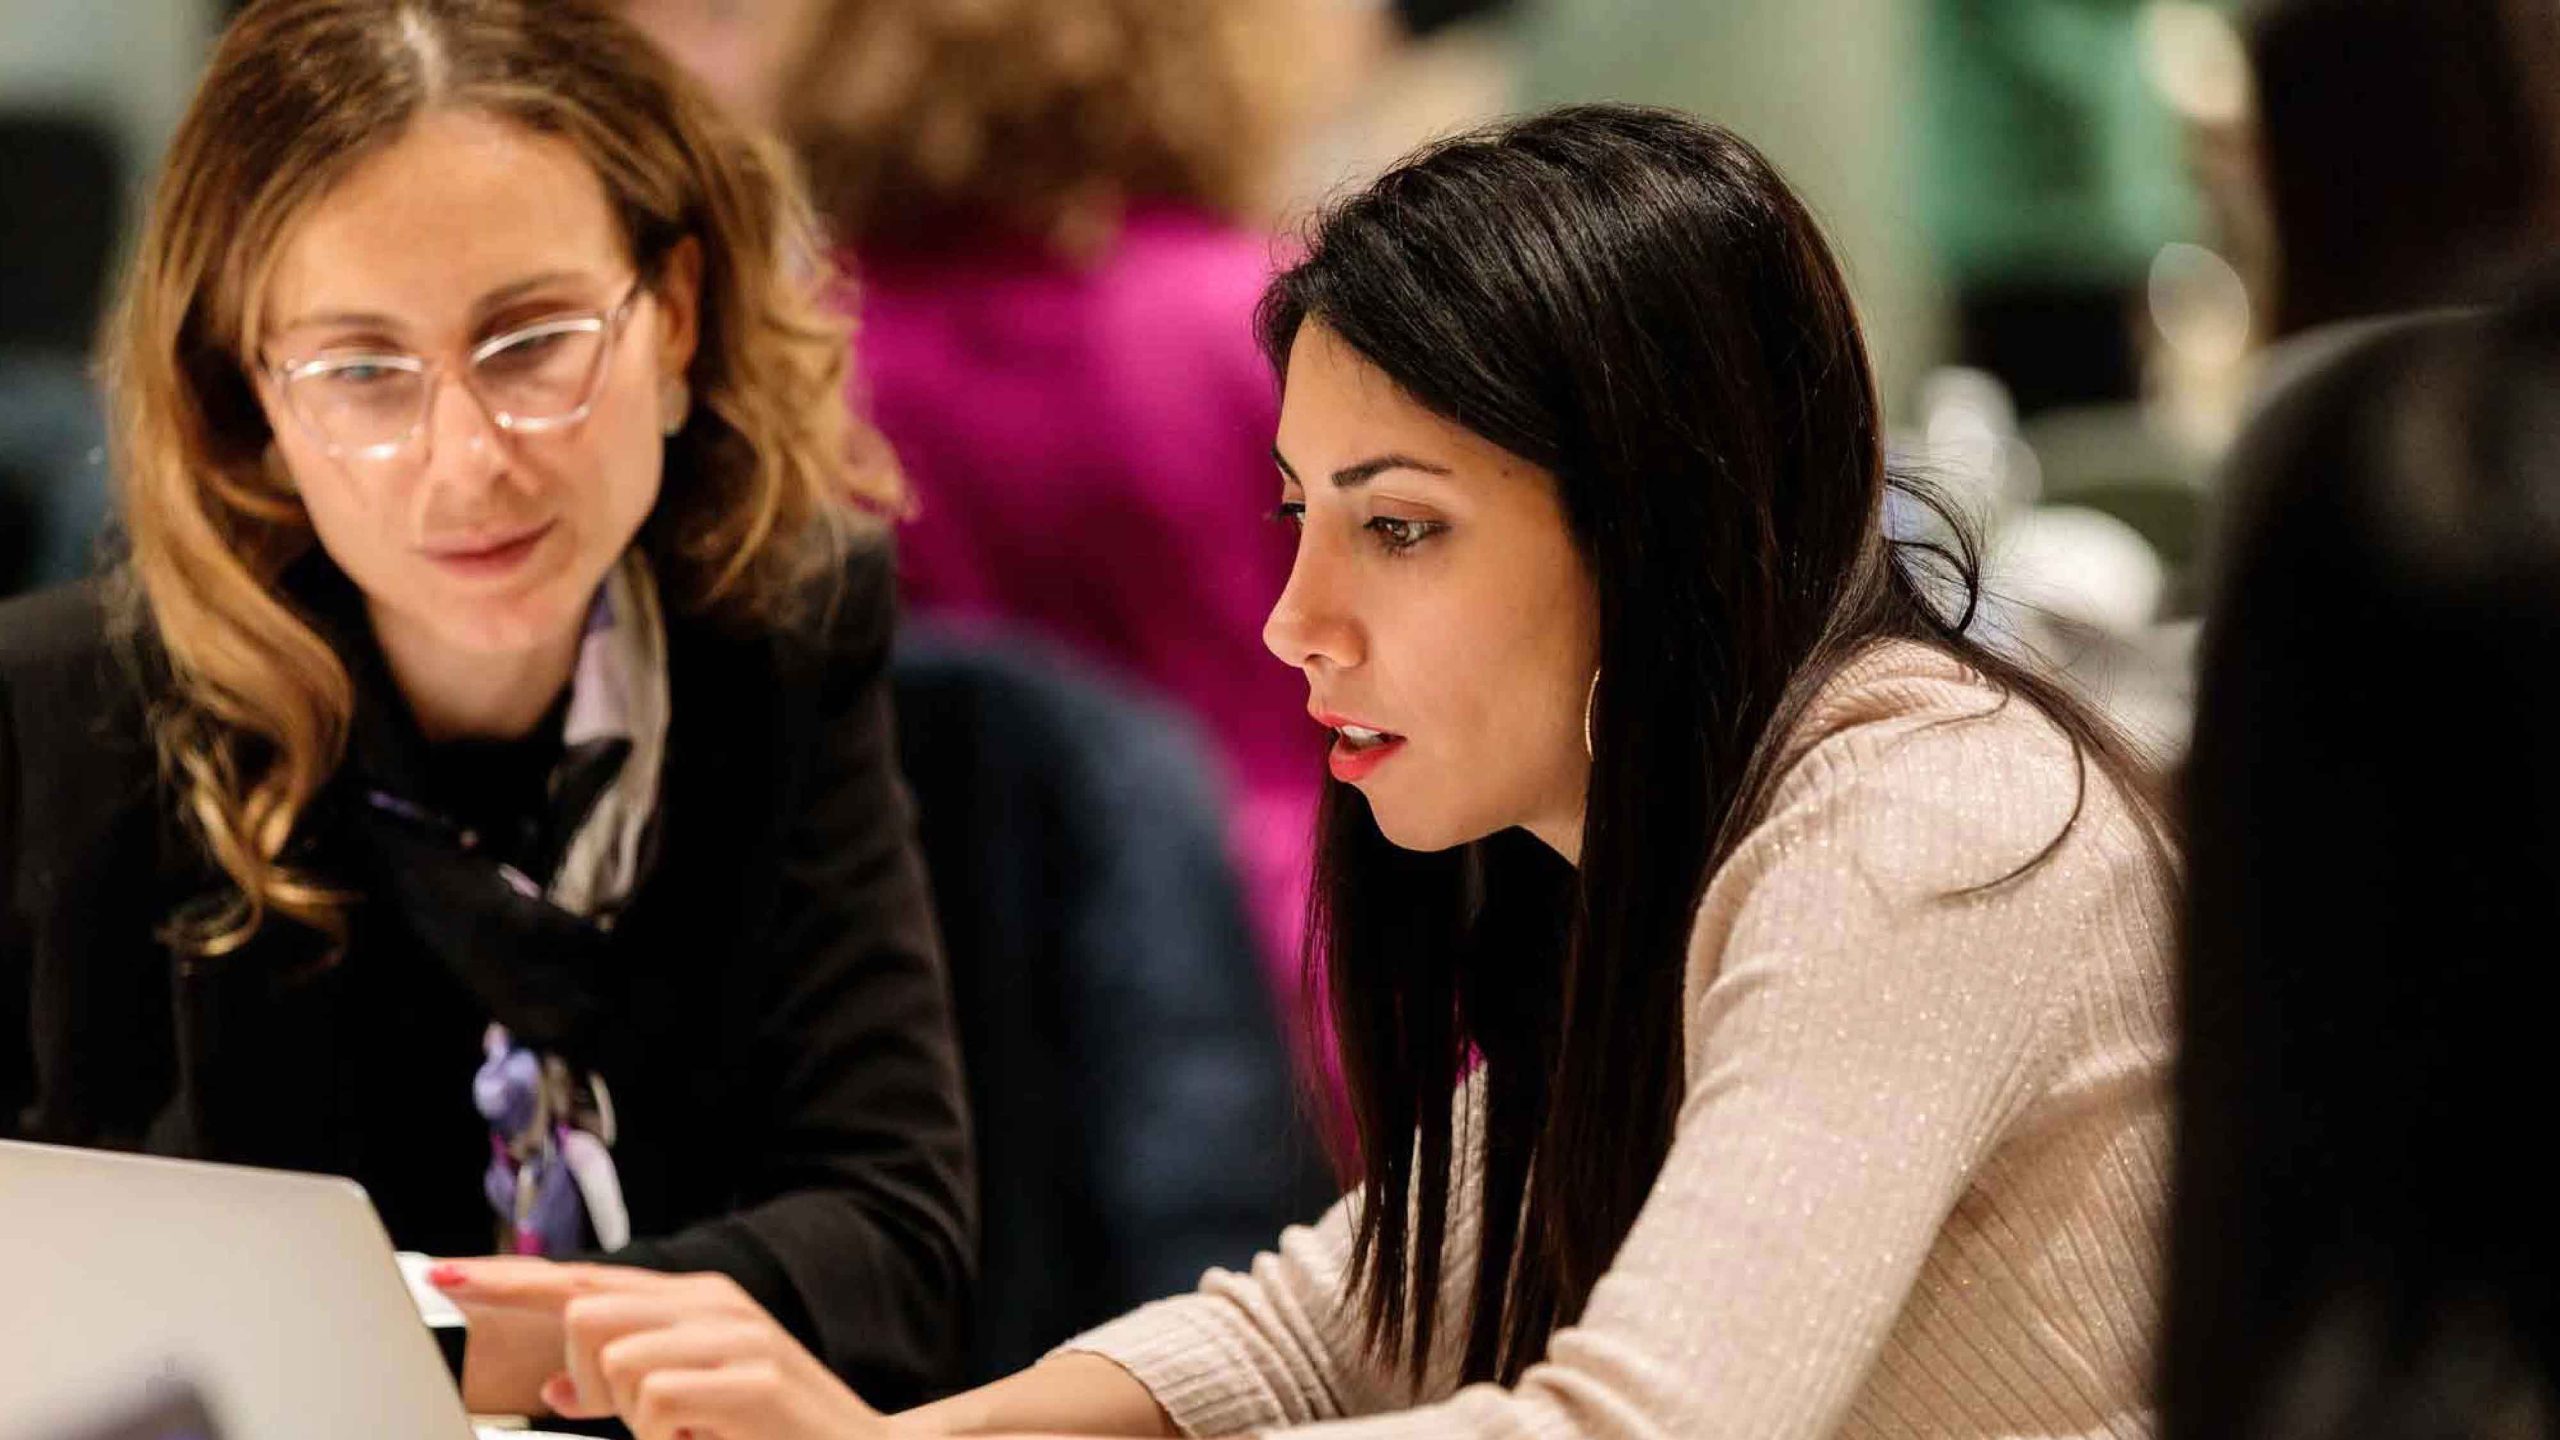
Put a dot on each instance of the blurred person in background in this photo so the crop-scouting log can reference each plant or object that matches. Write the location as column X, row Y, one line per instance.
column 1043, row 211
column 2363, row 1242
column 1753, row 989
column 476, row 779
column 1050, row 212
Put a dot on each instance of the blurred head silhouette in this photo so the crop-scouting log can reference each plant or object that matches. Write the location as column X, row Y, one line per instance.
column 2361, row 1245
column 922, row 120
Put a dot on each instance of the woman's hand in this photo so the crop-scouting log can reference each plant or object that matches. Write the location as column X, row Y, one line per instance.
column 673, row 1355
column 506, row 1356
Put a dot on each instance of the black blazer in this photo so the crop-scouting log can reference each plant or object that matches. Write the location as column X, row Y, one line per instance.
column 770, row 1011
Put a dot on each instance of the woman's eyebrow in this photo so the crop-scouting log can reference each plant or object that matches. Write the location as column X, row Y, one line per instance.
column 1351, row 477
column 340, row 319
column 515, row 290
column 494, row 300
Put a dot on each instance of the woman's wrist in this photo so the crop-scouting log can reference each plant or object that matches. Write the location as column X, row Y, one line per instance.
column 968, row 1413
column 1070, row 1394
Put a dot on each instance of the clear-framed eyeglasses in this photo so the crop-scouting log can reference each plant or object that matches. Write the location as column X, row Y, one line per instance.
column 370, row 404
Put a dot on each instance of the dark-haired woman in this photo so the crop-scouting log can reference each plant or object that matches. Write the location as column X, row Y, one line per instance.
column 1814, row 956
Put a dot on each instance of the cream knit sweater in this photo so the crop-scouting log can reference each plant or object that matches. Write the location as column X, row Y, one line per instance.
column 1922, row 1165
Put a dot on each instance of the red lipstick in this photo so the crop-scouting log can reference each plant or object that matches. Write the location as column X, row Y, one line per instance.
column 1358, row 750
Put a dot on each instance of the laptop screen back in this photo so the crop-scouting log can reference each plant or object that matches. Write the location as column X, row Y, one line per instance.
column 276, row 1294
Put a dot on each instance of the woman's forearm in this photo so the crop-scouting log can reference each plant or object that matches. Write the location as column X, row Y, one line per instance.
column 1074, row 1394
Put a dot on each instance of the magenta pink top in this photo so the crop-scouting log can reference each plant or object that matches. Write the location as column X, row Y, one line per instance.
column 1089, row 448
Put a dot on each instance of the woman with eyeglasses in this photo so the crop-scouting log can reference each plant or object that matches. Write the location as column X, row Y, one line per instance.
column 474, row 775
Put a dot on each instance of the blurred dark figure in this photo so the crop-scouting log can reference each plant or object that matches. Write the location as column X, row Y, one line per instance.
column 2409, row 152
column 61, row 180
column 18, row 497
column 61, row 177
column 2363, row 1244
column 1135, row 1120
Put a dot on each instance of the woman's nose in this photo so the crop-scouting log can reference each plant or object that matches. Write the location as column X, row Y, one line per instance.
column 464, row 446
column 1309, row 625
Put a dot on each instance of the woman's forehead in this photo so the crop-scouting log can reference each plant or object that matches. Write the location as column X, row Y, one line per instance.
column 1339, row 409
column 459, row 210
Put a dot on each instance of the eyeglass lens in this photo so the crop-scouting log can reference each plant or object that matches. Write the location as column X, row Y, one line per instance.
column 542, row 374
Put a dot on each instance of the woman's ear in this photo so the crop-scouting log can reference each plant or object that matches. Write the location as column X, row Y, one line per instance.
column 679, row 295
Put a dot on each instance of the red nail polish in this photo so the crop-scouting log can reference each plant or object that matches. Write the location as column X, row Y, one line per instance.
column 445, row 1276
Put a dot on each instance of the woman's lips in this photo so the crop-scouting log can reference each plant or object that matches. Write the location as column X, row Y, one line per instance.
column 481, row 559
column 1351, row 763
column 1358, row 750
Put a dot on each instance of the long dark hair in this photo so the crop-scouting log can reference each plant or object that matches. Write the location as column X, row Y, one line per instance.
column 2363, row 1243
column 1634, row 301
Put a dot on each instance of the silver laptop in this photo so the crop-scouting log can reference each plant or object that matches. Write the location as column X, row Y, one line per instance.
column 274, row 1294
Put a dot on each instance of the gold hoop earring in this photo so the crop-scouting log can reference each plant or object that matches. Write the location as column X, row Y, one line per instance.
column 1589, row 698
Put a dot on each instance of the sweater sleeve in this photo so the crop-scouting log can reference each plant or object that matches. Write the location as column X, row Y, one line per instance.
column 1280, row 1344
column 1874, row 999
column 1273, row 1346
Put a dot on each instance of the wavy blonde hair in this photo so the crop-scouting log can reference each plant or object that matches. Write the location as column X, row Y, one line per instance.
column 754, row 510
column 1039, row 116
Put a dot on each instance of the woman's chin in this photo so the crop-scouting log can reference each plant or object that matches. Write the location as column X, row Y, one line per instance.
column 511, row 627
column 1409, row 828
column 512, row 621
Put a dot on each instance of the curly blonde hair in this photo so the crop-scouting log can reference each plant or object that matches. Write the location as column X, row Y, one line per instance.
column 1041, row 117
column 299, row 92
